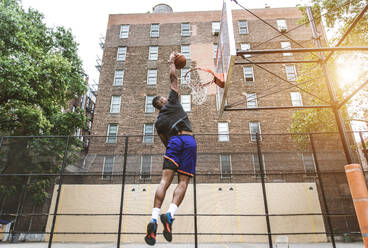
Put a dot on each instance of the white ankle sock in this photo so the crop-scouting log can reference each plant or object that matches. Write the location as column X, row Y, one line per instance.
column 172, row 209
column 155, row 213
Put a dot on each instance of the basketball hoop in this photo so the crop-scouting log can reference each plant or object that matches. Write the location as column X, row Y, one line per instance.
column 198, row 79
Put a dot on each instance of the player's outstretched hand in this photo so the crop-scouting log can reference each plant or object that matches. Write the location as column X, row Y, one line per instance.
column 172, row 57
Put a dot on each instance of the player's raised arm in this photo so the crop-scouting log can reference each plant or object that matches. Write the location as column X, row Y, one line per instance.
column 173, row 77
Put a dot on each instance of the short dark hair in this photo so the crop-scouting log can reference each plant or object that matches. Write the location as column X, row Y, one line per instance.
column 155, row 102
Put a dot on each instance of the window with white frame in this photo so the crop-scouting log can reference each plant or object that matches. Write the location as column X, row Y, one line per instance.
column 148, row 133
column 296, row 99
column 185, row 102
column 185, row 29
column 223, row 132
column 146, row 166
column 254, row 128
column 215, row 51
column 122, row 51
column 225, row 163
column 185, row 50
column 244, row 47
column 290, row 72
column 152, row 77
column 243, row 27
column 286, row 45
column 251, row 100
column 256, row 163
column 281, row 25
column 124, row 31
column 155, row 30
column 248, row 74
column 182, row 75
column 149, row 107
column 118, row 78
column 115, row 104
column 308, row 161
column 153, row 53
column 215, row 28
column 112, row 133
column 108, row 167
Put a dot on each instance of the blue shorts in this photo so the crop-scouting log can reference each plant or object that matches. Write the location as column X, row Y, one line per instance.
column 182, row 152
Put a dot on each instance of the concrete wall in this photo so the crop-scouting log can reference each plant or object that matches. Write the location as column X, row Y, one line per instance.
column 212, row 199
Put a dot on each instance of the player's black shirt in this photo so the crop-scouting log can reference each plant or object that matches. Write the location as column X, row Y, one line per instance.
column 172, row 117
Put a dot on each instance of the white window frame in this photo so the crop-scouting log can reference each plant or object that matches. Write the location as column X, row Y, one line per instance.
column 112, row 139
column 304, row 162
column 216, row 28
column 223, row 132
column 291, row 76
column 153, row 53
column 150, row 172
column 253, row 137
column 155, row 30
column 118, row 79
column 185, row 50
column 185, row 29
column 254, row 156
column 109, row 176
column 286, row 45
column 281, row 25
column 243, row 27
column 244, row 74
column 245, row 47
column 114, row 103
column 251, row 100
column 182, row 75
column 148, row 138
column 148, row 106
column 185, row 101
column 121, row 54
column 296, row 99
column 215, row 50
column 152, row 77
column 124, row 31
column 221, row 166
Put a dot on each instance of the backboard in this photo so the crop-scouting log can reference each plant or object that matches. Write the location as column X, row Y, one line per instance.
column 226, row 54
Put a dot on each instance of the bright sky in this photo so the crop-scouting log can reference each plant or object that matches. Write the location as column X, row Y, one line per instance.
column 88, row 18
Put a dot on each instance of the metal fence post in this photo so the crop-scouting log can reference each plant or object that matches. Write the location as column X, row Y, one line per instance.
column 195, row 212
column 260, row 161
column 58, row 192
column 122, row 189
column 322, row 191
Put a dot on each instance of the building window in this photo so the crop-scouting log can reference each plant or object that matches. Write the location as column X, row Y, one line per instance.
column 155, row 30
column 146, row 166
column 148, row 133
column 296, row 99
column 286, row 45
column 124, row 31
column 252, row 100
column 290, row 72
column 248, row 74
column 214, row 51
column 185, row 102
column 121, row 53
column 215, row 28
column 112, row 133
column 185, row 29
column 245, row 47
column 281, row 25
column 182, row 76
column 118, row 78
column 185, row 50
column 108, row 166
column 243, row 27
column 254, row 128
column 223, row 131
column 153, row 53
column 152, row 77
column 149, row 107
column 225, row 162
column 115, row 104
column 308, row 161
column 257, row 168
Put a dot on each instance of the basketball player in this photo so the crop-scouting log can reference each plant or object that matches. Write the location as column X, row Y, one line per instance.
column 175, row 131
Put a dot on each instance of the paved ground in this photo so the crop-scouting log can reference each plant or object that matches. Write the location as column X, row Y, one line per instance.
column 238, row 245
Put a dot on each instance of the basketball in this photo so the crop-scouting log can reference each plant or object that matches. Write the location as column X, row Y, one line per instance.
column 180, row 61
